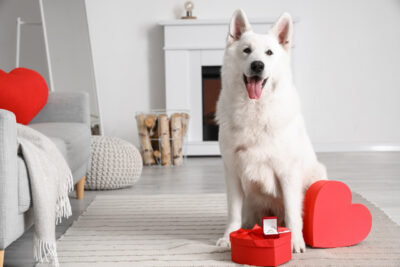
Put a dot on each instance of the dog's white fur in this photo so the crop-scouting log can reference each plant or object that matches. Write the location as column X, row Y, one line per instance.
column 268, row 157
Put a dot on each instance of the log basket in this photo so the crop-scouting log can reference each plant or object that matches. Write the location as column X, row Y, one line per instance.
column 162, row 136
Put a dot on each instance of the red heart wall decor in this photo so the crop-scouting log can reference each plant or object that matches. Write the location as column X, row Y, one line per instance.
column 23, row 92
column 330, row 219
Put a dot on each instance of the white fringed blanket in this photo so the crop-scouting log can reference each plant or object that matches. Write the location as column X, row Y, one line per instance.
column 50, row 182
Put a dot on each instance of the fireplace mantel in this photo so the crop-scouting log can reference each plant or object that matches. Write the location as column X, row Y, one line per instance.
column 189, row 45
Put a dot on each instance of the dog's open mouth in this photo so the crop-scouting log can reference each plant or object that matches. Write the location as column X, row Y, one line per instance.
column 254, row 86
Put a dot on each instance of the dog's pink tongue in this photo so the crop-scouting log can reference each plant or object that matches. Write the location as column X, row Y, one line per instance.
column 254, row 88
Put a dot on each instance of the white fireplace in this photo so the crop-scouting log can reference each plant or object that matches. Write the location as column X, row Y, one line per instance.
column 190, row 45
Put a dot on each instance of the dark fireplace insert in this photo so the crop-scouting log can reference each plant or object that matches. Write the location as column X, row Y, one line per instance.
column 211, row 79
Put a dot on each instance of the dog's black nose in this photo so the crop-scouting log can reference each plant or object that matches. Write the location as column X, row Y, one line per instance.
column 257, row 66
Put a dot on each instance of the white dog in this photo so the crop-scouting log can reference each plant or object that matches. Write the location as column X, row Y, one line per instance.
column 268, row 158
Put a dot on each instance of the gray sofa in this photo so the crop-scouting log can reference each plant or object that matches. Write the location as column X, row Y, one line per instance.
column 65, row 119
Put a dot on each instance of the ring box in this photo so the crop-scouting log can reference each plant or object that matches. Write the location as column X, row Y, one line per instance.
column 270, row 227
column 253, row 247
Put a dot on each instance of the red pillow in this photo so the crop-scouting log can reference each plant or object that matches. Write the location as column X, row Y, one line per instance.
column 23, row 92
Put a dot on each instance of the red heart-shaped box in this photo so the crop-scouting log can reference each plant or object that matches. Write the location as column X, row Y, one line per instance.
column 23, row 92
column 330, row 219
column 250, row 246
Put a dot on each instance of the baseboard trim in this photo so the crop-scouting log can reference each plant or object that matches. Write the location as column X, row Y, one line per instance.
column 212, row 148
column 360, row 147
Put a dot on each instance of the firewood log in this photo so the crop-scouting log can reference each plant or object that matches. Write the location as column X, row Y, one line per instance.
column 154, row 137
column 163, row 125
column 157, row 154
column 150, row 121
column 176, row 134
column 185, row 123
column 144, row 136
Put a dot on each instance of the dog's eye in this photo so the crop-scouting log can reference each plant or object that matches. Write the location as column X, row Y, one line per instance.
column 269, row 52
column 247, row 50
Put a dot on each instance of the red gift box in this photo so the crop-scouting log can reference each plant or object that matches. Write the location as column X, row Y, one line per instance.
column 251, row 247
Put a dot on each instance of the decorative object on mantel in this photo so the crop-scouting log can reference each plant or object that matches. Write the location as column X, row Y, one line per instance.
column 189, row 6
column 162, row 136
column 116, row 163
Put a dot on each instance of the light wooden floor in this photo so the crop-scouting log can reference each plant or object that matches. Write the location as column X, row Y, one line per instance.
column 375, row 175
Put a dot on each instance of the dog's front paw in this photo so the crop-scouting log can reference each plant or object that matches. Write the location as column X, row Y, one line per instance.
column 224, row 242
column 298, row 245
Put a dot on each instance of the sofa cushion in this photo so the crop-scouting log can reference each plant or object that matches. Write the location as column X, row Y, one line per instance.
column 73, row 140
column 61, row 145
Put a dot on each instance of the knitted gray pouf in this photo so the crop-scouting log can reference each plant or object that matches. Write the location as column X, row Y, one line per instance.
column 115, row 164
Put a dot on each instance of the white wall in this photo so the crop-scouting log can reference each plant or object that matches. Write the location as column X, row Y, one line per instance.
column 33, row 53
column 347, row 62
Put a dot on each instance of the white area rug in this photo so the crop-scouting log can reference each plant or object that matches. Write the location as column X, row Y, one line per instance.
column 181, row 230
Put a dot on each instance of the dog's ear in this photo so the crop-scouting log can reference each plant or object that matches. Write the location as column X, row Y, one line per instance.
column 283, row 30
column 239, row 25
